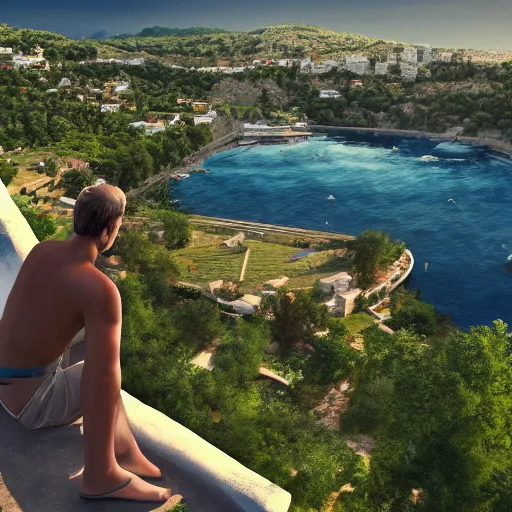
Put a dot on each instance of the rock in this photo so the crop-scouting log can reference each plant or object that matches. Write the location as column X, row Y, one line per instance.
column 278, row 283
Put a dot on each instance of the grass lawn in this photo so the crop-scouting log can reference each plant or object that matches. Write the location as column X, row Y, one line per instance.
column 64, row 228
column 357, row 322
column 204, row 261
column 26, row 175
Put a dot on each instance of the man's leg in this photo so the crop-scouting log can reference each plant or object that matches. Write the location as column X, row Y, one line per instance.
column 102, row 473
column 127, row 451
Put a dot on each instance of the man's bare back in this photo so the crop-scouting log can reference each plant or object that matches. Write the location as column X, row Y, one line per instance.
column 50, row 287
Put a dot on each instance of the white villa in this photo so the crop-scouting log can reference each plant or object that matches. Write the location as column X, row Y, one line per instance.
column 329, row 93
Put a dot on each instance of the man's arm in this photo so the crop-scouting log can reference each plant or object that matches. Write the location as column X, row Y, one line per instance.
column 101, row 378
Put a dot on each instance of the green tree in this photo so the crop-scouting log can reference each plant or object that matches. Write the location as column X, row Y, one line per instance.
column 177, row 230
column 43, row 226
column 198, row 322
column 333, row 358
column 409, row 313
column 75, row 180
column 141, row 255
column 7, row 172
column 295, row 315
column 50, row 167
column 373, row 251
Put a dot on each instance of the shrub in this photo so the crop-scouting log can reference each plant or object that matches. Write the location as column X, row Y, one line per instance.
column 41, row 224
column 177, row 229
column 75, row 180
column 7, row 172
column 410, row 313
column 51, row 167
column 333, row 358
column 295, row 315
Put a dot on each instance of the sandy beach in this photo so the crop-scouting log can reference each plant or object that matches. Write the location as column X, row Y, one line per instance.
column 497, row 145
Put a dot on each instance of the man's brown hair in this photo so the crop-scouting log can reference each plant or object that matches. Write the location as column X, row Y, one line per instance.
column 97, row 208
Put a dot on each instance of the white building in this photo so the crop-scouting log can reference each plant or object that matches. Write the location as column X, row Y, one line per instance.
column 381, row 68
column 445, row 57
column 306, row 64
column 337, row 283
column 206, row 118
column 357, row 64
column 329, row 93
column 410, row 54
column 425, row 55
column 408, row 72
column 110, row 108
column 5, row 50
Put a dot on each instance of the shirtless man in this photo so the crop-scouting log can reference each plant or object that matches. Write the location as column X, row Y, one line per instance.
column 57, row 293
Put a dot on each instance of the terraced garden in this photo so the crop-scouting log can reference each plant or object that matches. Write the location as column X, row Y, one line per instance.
column 205, row 261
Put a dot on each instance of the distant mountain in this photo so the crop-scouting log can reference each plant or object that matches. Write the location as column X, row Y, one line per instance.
column 157, row 31
column 101, row 34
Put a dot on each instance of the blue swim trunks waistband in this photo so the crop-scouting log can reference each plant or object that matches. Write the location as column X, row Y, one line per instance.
column 26, row 373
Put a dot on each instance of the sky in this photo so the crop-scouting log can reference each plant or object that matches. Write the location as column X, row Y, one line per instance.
column 442, row 23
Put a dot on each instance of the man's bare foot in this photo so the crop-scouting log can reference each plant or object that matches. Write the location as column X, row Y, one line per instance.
column 136, row 490
column 137, row 464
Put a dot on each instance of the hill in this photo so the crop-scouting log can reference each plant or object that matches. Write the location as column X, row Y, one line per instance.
column 281, row 41
column 158, row 31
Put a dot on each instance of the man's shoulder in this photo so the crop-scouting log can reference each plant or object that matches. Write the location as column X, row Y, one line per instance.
column 94, row 285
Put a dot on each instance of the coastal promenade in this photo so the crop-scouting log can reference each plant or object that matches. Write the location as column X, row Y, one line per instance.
column 195, row 160
column 260, row 228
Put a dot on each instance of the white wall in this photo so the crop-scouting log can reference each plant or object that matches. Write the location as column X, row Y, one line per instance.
column 16, row 241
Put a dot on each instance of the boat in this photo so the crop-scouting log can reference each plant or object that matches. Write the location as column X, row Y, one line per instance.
column 331, row 198
column 395, row 148
column 429, row 158
column 426, row 266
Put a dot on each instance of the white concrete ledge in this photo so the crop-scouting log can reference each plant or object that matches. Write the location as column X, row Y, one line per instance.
column 197, row 459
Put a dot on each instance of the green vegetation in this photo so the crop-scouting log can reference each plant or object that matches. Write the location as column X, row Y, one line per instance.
column 43, row 226
column 7, row 172
column 289, row 40
column 373, row 252
column 295, row 316
column 157, row 31
column 410, row 313
column 75, row 180
column 356, row 322
column 440, row 412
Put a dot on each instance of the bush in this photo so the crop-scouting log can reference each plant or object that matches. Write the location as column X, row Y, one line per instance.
column 75, row 180
column 198, row 322
column 7, row 172
column 51, row 167
column 295, row 315
column 410, row 313
column 332, row 360
column 41, row 224
column 177, row 229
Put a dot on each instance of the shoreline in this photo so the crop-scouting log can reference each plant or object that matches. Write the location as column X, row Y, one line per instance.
column 496, row 145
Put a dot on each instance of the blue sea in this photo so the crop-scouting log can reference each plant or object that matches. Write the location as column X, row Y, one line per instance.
column 453, row 212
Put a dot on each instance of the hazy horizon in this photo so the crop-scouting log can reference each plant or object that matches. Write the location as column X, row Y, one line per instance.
column 448, row 23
